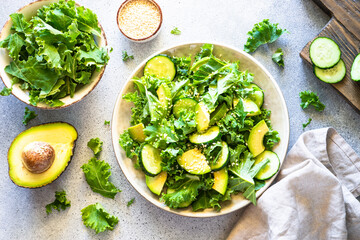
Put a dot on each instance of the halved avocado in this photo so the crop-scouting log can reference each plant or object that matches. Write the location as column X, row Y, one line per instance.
column 59, row 135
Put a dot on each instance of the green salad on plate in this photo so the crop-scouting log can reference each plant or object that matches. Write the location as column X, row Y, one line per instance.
column 199, row 131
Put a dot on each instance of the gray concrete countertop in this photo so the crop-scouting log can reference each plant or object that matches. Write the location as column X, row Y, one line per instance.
column 22, row 211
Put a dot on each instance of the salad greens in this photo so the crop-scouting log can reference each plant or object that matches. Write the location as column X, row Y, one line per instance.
column 95, row 216
column 28, row 115
column 106, row 122
column 60, row 202
column 55, row 52
column 310, row 98
column 5, row 91
column 278, row 57
column 175, row 31
column 125, row 56
column 217, row 84
column 262, row 33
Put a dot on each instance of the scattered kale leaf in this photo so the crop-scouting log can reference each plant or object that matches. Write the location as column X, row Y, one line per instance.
column 306, row 124
column 130, row 202
column 106, row 122
column 310, row 98
column 5, row 91
column 97, row 175
column 95, row 216
column 278, row 57
column 28, row 115
column 125, row 56
column 262, row 33
column 95, row 145
column 60, row 202
column 175, row 31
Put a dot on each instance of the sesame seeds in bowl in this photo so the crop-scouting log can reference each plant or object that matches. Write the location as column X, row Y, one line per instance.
column 139, row 20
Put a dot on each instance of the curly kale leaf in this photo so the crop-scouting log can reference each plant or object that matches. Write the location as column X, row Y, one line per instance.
column 278, row 57
column 28, row 115
column 186, row 190
column 131, row 147
column 97, row 175
column 262, row 33
column 95, row 216
column 5, row 91
column 95, row 145
column 310, row 98
column 60, row 202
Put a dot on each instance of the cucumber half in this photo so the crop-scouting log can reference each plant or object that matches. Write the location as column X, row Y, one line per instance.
column 223, row 158
column 184, row 104
column 202, row 117
column 355, row 69
column 331, row 75
column 221, row 181
column 161, row 66
column 324, row 52
column 150, row 160
column 271, row 168
column 206, row 137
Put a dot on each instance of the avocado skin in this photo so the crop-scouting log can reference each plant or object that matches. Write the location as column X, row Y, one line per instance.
column 68, row 162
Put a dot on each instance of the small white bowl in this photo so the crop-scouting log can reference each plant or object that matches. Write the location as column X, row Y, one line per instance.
column 29, row 11
column 274, row 101
column 145, row 39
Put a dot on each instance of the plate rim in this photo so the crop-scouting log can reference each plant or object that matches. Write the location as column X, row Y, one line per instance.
column 140, row 65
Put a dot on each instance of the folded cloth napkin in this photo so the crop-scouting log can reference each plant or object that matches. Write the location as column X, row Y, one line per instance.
column 314, row 196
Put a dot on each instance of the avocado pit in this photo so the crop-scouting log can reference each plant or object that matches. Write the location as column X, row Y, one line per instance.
column 37, row 157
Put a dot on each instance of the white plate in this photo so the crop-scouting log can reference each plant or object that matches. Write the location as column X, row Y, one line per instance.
column 29, row 11
column 274, row 101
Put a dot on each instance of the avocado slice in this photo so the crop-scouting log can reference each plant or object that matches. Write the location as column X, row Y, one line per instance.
column 59, row 136
column 137, row 133
column 256, row 138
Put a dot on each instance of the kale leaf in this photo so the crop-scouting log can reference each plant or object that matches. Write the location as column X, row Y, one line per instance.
column 95, row 145
column 95, row 216
column 310, row 98
column 278, row 57
column 60, row 202
column 125, row 56
column 97, row 175
column 28, row 115
column 262, row 33
column 5, row 91
column 176, row 31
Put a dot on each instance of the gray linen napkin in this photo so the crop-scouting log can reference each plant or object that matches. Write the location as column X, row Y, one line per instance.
column 314, row 196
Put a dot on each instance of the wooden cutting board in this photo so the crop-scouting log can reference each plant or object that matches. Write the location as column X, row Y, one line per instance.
column 343, row 28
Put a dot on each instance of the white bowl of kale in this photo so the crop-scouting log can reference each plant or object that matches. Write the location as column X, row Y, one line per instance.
column 52, row 53
column 184, row 141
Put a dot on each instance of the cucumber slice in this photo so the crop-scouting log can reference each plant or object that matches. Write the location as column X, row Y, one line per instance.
column 137, row 132
column 161, row 66
column 223, row 158
column 194, row 162
column 271, row 168
column 331, row 75
column 206, row 137
column 156, row 184
column 221, row 181
column 164, row 95
column 355, row 69
column 150, row 160
column 202, row 117
column 324, row 52
column 183, row 204
column 199, row 63
column 184, row 104
column 256, row 138
column 218, row 114
column 257, row 96
column 250, row 107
